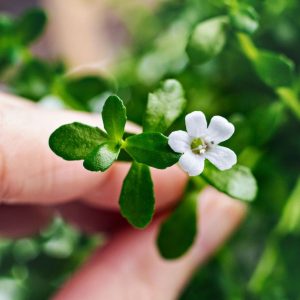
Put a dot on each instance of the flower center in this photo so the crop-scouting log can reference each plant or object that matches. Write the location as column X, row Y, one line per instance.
column 198, row 146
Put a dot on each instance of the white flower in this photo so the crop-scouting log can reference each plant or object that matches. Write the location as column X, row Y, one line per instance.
column 201, row 142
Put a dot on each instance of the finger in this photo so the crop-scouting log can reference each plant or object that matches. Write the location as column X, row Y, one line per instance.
column 130, row 267
column 23, row 220
column 31, row 173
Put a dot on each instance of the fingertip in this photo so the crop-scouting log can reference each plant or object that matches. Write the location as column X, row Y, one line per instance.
column 219, row 215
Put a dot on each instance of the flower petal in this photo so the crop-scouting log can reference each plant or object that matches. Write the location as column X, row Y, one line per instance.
column 179, row 141
column 192, row 163
column 196, row 124
column 223, row 158
column 219, row 130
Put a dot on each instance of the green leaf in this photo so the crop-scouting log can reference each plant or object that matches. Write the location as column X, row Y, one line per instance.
column 75, row 141
column 238, row 182
column 30, row 25
column 207, row 39
column 166, row 55
column 274, row 69
column 244, row 19
column 177, row 233
column 164, row 106
column 114, row 117
column 265, row 121
column 102, row 157
column 137, row 196
column 151, row 149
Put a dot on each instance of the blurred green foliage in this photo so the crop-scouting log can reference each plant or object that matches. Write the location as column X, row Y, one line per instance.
column 33, row 268
column 261, row 261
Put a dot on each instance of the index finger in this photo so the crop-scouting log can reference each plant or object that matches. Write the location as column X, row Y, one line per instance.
column 31, row 173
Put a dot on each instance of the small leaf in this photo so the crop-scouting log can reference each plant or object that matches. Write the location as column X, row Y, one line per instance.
column 75, row 141
column 164, row 106
column 102, row 157
column 207, row 39
column 30, row 25
column 114, row 117
column 238, row 182
column 274, row 69
column 265, row 121
column 177, row 233
column 151, row 149
column 137, row 196
column 244, row 19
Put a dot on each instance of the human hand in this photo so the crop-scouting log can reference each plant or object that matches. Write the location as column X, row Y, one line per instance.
column 35, row 183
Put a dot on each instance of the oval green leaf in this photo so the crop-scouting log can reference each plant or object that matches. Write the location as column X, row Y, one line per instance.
column 75, row 141
column 151, row 149
column 137, row 196
column 30, row 25
column 207, row 39
column 177, row 233
column 238, row 182
column 102, row 157
column 164, row 106
column 274, row 69
column 114, row 117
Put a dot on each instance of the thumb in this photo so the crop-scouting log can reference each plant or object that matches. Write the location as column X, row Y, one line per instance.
column 31, row 173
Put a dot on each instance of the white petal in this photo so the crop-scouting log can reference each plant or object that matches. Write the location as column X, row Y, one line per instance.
column 179, row 141
column 192, row 163
column 219, row 130
column 223, row 158
column 196, row 124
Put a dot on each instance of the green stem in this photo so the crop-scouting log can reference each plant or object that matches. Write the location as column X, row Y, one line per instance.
column 265, row 266
column 247, row 46
column 288, row 223
column 290, row 99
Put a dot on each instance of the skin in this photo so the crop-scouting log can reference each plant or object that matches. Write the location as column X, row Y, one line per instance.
column 35, row 183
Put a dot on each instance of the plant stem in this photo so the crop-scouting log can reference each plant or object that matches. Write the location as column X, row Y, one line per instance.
column 290, row 99
column 247, row 46
column 288, row 223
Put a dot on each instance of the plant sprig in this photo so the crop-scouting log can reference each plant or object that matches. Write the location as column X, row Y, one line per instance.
column 99, row 149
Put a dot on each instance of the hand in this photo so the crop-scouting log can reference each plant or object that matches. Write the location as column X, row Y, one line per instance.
column 35, row 183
